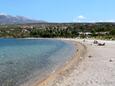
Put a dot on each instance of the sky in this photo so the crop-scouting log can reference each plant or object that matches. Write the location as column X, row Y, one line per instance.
column 61, row 10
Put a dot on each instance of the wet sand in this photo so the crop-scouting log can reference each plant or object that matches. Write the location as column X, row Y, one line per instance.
column 67, row 68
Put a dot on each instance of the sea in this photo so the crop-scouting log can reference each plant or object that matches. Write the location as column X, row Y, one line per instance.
column 28, row 60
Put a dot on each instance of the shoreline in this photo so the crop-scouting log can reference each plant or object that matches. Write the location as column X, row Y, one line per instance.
column 96, row 69
column 67, row 67
column 90, row 65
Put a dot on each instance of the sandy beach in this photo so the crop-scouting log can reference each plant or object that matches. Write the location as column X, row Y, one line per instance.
column 96, row 68
column 67, row 68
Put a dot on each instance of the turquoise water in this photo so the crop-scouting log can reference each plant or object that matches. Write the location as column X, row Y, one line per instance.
column 22, row 59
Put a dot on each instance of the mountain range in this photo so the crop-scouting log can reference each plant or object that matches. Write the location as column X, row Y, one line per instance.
column 8, row 19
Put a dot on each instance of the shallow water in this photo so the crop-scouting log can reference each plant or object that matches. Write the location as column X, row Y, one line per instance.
column 21, row 59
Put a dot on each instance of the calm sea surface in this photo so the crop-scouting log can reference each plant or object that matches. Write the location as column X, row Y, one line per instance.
column 25, row 59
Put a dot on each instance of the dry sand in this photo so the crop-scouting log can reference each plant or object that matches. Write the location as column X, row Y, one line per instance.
column 97, row 69
column 67, row 68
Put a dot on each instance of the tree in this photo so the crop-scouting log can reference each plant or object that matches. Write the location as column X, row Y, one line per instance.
column 112, row 32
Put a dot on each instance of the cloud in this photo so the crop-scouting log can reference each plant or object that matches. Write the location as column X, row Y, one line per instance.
column 109, row 20
column 81, row 17
column 2, row 13
column 84, row 19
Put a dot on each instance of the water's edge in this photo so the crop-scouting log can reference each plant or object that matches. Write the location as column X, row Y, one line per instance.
column 67, row 68
column 29, row 60
column 33, row 80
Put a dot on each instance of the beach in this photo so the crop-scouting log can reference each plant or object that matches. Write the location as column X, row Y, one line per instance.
column 93, row 66
column 67, row 68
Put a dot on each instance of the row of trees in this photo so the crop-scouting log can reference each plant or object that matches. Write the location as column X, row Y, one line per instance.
column 56, row 32
column 106, row 30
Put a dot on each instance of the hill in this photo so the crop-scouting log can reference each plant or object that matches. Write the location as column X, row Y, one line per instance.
column 8, row 19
